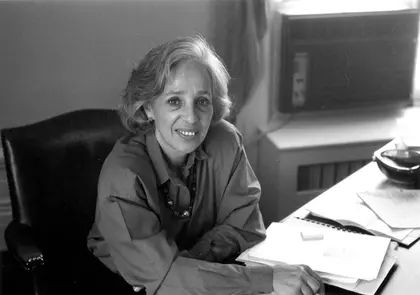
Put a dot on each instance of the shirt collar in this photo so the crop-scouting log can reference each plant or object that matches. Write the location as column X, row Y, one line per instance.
column 159, row 162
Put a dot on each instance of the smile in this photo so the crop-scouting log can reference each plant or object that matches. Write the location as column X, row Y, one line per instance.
column 187, row 134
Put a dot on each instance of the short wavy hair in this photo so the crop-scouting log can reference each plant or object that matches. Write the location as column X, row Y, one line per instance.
column 148, row 79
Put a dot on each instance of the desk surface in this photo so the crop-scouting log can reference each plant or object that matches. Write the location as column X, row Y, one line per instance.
column 404, row 279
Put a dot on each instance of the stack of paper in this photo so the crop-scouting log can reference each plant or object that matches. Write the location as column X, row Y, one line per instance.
column 399, row 209
column 348, row 260
column 352, row 210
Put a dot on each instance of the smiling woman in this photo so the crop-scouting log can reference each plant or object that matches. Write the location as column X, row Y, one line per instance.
column 177, row 197
column 149, row 79
column 183, row 114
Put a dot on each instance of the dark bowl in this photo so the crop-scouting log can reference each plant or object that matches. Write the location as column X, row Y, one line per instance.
column 399, row 166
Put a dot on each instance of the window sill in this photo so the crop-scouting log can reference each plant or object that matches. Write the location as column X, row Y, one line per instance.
column 330, row 128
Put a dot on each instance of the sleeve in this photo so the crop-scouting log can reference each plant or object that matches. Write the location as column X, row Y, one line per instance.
column 239, row 223
column 145, row 257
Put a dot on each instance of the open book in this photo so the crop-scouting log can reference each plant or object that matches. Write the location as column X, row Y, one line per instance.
column 352, row 213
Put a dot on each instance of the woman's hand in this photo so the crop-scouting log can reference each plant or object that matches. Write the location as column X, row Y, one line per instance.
column 296, row 280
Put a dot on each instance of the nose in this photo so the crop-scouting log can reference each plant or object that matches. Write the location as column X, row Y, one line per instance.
column 190, row 114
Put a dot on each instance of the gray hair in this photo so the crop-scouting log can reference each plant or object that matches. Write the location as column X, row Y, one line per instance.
column 148, row 79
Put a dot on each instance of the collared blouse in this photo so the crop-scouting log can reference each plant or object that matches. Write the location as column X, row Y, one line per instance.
column 137, row 235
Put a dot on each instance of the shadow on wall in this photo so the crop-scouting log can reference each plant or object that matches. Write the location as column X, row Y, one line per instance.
column 237, row 36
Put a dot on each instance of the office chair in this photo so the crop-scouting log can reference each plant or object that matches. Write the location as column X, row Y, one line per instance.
column 52, row 170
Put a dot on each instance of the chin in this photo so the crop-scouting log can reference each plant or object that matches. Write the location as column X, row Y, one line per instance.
column 187, row 148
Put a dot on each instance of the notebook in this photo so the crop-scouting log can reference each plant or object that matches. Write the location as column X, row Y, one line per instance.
column 353, row 213
column 360, row 286
column 338, row 252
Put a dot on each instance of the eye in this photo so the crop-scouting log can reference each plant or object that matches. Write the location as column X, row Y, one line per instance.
column 174, row 101
column 203, row 101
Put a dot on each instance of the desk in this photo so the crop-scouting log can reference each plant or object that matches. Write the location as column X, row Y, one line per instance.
column 405, row 279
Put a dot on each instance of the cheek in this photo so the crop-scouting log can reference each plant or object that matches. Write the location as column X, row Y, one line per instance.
column 206, row 121
column 164, row 124
column 209, row 120
column 207, row 116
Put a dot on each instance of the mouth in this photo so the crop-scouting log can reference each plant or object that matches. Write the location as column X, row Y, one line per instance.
column 187, row 134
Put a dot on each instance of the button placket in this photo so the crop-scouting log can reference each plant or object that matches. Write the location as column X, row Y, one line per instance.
column 185, row 213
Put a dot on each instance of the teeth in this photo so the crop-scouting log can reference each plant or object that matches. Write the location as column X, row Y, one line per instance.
column 187, row 133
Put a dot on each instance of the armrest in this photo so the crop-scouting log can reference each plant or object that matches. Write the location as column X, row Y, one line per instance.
column 20, row 241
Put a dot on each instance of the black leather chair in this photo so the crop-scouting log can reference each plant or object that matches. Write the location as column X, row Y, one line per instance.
column 52, row 170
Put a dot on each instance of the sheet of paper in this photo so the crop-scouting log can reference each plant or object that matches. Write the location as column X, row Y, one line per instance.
column 366, row 287
column 370, row 287
column 351, row 284
column 350, row 209
column 338, row 253
column 412, row 237
column 397, row 208
column 326, row 277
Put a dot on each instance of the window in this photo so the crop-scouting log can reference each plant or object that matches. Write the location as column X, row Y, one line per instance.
column 297, row 7
column 337, row 7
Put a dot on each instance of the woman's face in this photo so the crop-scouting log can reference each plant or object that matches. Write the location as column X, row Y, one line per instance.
column 184, row 111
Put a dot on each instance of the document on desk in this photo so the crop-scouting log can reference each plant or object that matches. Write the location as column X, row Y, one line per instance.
column 397, row 208
column 370, row 287
column 352, row 284
column 326, row 277
column 338, row 253
column 351, row 210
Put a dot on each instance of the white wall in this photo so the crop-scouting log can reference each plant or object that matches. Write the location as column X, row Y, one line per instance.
column 57, row 56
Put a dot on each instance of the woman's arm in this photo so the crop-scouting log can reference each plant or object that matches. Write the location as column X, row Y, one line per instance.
column 239, row 223
column 144, row 256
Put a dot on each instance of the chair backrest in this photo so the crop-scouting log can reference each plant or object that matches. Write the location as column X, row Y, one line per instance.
column 52, row 170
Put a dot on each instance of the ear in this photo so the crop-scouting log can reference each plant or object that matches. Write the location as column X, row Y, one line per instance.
column 148, row 110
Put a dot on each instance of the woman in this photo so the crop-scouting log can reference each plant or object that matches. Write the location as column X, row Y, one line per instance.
column 177, row 198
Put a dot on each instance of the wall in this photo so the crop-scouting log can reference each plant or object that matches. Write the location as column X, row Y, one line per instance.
column 57, row 56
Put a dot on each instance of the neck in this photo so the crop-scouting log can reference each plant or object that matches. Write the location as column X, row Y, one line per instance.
column 177, row 169
column 174, row 165
column 173, row 158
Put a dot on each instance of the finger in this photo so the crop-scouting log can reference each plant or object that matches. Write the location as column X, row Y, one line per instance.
column 305, row 289
column 313, row 279
column 321, row 290
column 311, row 273
column 313, row 283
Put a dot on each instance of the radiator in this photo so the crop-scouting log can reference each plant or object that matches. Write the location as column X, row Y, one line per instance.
column 324, row 175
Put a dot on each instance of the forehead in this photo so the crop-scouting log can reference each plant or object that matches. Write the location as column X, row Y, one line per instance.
column 190, row 73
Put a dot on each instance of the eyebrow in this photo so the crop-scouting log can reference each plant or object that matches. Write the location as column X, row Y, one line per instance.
column 182, row 92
